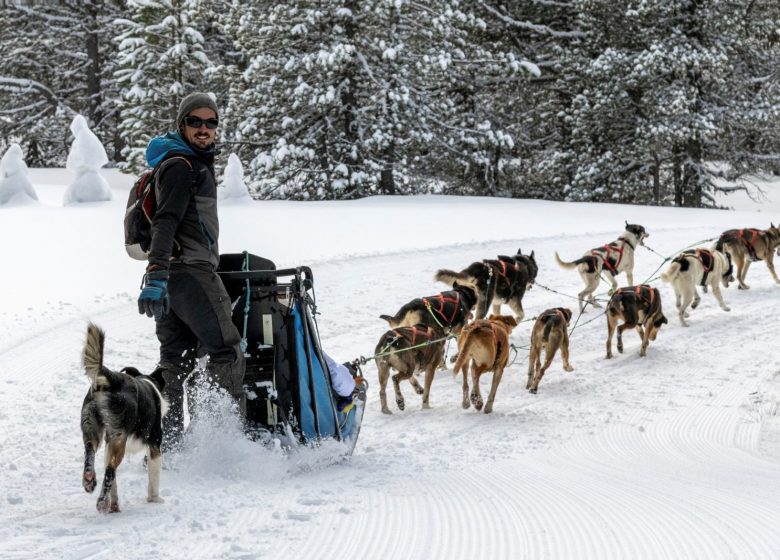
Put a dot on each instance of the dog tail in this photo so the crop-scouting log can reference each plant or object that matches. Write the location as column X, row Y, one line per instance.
column 719, row 243
column 548, row 325
column 393, row 321
column 671, row 272
column 564, row 264
column 92, row 358
column 450, row 277
column 464, row 353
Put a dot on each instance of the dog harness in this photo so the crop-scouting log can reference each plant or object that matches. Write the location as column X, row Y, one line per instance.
column 704, row 256
column 638, row 291
column 413, row 334
column 749, row 245
column 447, row 306
column 612, row 265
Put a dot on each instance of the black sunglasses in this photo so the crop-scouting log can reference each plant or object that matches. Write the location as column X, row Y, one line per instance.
column 197, row 122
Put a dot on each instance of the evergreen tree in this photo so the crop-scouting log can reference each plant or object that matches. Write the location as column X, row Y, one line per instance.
column 161, row 59
column 57, row 62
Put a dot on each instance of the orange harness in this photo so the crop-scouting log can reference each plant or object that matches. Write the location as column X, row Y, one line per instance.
column 411, row 333
column 750, row 245
column 638, row 291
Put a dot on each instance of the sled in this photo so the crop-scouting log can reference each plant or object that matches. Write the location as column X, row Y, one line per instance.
column 289, row 395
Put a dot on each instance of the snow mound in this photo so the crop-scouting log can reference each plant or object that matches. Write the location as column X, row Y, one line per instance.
column 234, row 189
column 15, row 183
column 87, row 155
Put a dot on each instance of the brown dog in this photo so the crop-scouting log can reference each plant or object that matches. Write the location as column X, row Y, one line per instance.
column 407, row 349
column 748, row 245
column 638, row 307
column 485, row 345
column 549, row 334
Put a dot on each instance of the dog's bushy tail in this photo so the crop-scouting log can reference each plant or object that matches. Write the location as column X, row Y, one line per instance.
column 464, row 353
column 671, row 273
column 564, row 264
column 393, row 321
column 450, row 277
column 92, row 358
column 719, row 243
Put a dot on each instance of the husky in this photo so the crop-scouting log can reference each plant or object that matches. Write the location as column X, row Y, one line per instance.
column 408, row 350
column 748, row 245
column 496, row 281
column 707, row 268
column 126, row 409
column 449, row 311
column 615, row 257
column 485, row 346
column 638, row 307
column 549, row 333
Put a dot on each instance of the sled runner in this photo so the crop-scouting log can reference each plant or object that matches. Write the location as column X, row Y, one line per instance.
column 288, row 384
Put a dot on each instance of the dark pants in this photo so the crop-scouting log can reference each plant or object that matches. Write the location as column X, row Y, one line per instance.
column 199, row 321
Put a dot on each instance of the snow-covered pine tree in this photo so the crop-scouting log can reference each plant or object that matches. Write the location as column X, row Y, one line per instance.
column 161, row 59
column 57, row 61
column 653, row 102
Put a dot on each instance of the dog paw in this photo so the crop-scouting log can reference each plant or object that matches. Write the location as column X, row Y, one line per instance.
column 568, row 368
column 477, row 402
column 419, row 390
column 465, row 404
column 426, row 406
column 155, row 500
column 386, row 410
column 104, row 505
column 489, row 408
column 726, row 308
column 88, row 481
column 532, row 390
column 401, row 404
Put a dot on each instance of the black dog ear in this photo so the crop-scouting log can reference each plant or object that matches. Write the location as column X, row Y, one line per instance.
column 157, row 377
column 519, row 251
column 455, row 285
column 131, row 371
column 532, row 256
column 626, row 223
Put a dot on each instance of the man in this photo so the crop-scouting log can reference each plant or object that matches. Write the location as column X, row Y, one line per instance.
column 181, row 288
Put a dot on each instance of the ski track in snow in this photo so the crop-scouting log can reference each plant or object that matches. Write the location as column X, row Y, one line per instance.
column 655, row 457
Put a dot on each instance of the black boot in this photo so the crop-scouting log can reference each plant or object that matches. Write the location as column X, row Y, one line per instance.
column 173, row 422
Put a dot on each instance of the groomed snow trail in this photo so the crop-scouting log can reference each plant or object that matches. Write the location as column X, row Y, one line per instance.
column 656, row 457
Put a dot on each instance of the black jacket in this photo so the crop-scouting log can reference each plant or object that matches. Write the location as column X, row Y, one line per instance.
column 185, row 227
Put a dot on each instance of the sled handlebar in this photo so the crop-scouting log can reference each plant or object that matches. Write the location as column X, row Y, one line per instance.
column 302, row 273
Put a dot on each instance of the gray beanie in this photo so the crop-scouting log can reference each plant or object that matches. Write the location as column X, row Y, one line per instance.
column 194, row 101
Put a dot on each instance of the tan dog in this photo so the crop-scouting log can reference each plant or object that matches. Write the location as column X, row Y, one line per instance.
column 484, row 344
column 701, row 267
column 748, row 245
column 408, row 349
column 638, row 307
column 549, row 334
column 615, row 257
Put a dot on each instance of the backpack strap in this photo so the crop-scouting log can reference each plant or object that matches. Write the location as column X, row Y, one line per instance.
column 160, row 166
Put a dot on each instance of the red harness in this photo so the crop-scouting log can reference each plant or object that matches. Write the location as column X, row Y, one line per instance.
column 638, row 292
column 411, row 333
column 441, row 310
column 609, row 248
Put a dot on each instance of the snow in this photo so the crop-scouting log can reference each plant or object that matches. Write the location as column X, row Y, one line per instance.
column 670, row 456
column 15, row 185
column 87, row 155
column 234, row 188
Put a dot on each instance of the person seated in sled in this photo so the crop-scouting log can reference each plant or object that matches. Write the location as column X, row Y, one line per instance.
column 342, row 379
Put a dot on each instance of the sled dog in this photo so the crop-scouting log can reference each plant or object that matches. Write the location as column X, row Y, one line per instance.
column 483, row 344
column 638, row 307
column 548, row 334
column 448, row 311
column 703, row 267
column 615, row 257
column 408, row 350
column 748, row 245
column 125, row 408
column 496, row 281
